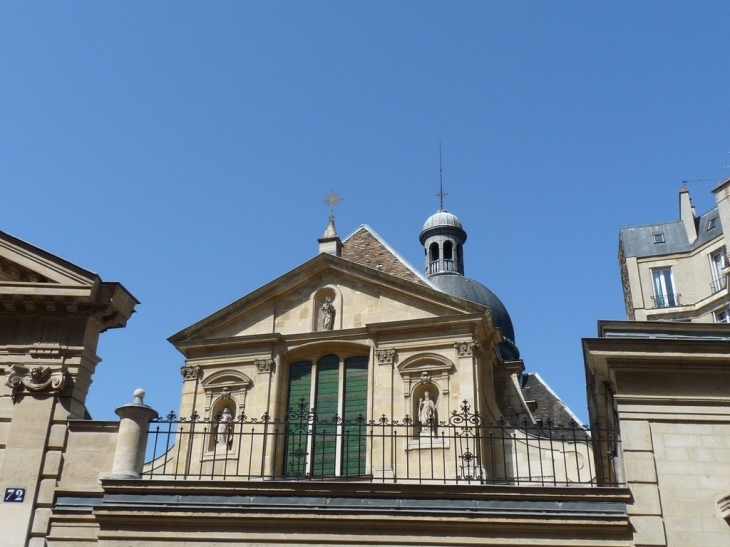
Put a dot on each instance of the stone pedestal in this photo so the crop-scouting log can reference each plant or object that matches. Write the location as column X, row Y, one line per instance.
column 132, row 441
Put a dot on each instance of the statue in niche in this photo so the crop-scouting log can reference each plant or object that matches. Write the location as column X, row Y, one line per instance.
column 427, row 414
column 328, row 314
column 224, row 429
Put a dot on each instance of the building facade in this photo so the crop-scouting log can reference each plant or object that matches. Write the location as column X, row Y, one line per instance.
column 666, row 386
column 354, row 400
column 677, row 271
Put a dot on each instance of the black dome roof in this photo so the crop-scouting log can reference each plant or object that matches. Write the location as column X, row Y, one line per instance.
column 473, row 291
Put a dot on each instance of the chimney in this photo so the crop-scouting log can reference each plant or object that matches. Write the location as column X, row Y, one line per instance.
column 687, row 215
column 330, row 242
column 722, row 197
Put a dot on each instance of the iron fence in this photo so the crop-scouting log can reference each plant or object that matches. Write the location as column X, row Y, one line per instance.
column 305, row 446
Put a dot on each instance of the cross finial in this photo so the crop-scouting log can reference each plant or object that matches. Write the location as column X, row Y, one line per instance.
column 441, row 193
column 332, row 200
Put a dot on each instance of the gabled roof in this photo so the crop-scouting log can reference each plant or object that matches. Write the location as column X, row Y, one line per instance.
column 364, row 246
column 313, row 269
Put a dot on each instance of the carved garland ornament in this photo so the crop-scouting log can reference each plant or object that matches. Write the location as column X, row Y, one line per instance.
column 35, row 379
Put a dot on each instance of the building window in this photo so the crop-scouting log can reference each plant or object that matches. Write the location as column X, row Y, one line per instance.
column 722, row 316
column 711, row 224
column 327, row 404
column 659, row 237
column 664, row 295
column 717, row 263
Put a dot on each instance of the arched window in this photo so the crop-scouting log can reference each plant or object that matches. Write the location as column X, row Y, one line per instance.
column 434, row 250
column 433, row 259
column 328, row 402
column 448, row 256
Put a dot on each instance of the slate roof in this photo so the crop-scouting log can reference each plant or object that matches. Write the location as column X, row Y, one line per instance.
column 638, row 241
column 549, row 407
column 365, row 247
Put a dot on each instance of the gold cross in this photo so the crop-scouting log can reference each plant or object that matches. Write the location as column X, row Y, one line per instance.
column 332, row 200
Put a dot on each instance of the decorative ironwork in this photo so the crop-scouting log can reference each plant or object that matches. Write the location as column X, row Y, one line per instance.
column 666, row 300
column 302, row 445
column 719, row 284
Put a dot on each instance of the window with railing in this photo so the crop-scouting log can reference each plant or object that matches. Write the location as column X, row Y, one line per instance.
column 460, row 450
column 717, row 264
column 663, row 285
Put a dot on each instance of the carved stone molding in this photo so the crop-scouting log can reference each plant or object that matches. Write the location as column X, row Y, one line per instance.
column 264, row 365
column 385, row 356
column 190, row 372
column 468, row 349
column 35, row 379
column 110, row 317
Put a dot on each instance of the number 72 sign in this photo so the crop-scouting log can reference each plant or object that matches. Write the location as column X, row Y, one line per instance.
column 14, row 495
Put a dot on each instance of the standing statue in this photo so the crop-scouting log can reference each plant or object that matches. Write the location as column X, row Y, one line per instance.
column 427, row 414
column 328, row 314
column 224, row 428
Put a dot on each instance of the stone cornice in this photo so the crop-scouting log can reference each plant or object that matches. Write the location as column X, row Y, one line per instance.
column 662, row 365
column 370, row 489
column 230, row 342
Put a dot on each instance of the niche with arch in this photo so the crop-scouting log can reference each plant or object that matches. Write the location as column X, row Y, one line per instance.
column 223, row 423
column 327, row 306
column 225, row 400
column 425, row 410
column 426, row 373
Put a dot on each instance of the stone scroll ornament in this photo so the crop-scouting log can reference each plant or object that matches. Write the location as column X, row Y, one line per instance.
column 35, row 379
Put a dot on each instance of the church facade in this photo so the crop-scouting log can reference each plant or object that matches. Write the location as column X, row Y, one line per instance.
column 355, row 400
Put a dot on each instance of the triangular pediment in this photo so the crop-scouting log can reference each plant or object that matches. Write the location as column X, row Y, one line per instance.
column 21, row 262
column 33, row 280
column 295, row 303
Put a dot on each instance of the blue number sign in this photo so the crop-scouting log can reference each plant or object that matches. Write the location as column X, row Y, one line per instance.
column 14, row 495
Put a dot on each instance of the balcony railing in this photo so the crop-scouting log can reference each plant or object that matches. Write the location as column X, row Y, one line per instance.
column 445, row 265
column 666, row 300
column 719, row 284
column 305, row 446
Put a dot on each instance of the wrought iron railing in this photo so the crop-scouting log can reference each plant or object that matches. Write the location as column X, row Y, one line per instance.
column 666, row 300
column 718, row 284
column 304, row 446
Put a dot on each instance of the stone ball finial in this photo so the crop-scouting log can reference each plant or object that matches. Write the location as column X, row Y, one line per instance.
column 139, row 396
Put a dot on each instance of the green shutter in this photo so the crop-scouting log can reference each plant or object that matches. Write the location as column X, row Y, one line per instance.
column 298, row 406
column 326, row 408
column 355, row 408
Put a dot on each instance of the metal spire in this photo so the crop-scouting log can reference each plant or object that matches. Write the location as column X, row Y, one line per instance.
column 441, row 193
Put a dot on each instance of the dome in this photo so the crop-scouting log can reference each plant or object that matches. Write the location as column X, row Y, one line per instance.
column 473, row 291
column 442, row 218
column 442, row 222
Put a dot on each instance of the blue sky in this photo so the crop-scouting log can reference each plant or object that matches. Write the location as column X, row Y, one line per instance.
column 184, row 149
